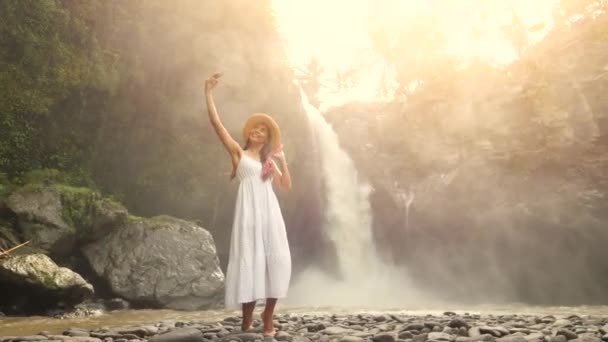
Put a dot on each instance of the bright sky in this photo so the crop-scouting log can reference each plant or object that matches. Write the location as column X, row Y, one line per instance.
column 336, row 31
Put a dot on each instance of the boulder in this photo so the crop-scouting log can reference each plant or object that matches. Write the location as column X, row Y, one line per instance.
column 162, row 262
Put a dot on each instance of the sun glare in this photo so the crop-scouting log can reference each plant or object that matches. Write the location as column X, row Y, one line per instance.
column 336, row 33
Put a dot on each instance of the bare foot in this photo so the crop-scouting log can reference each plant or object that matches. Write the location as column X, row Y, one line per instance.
column 246, row 325
column 268, row 324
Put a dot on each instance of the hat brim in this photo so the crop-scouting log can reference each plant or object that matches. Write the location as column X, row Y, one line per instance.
column 273, row 127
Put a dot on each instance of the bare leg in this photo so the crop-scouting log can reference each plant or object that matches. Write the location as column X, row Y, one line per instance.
column 267, row 316
column 247, row 315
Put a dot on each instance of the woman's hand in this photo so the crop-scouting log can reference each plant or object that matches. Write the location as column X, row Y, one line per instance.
column 211, row 82
column 279, row 154
column 282, row 177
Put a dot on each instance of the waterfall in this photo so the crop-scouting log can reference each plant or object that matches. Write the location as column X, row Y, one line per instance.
column 363, row 279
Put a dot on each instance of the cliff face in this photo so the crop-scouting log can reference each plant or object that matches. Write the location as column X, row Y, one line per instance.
column 505, row 172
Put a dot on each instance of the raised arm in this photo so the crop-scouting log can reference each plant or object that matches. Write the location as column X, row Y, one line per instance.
column 231, row 145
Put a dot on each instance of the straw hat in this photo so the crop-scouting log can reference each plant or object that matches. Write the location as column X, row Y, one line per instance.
column 273, row 128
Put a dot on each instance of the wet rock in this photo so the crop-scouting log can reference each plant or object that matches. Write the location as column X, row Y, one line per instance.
column 179, row 335
column 117, row 304
column 76, row 332
column 36, row 284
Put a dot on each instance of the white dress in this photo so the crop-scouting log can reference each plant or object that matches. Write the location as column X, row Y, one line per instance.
column 259, row 265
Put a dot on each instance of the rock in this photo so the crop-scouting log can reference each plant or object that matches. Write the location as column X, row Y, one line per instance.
column 40, row 218
column 105, row 215
column 135, row 331
column 562, row 322
column 43, row 280
column 82, row 310
column 477, row 338
column 283, row 336
column 164, row 261
column 605, row 337
column 245, row 337
column 30, row 338
column 558, row 338
column 405, row 335
column 415, row 326
column 232, row 319
column 502, row 330
column 535, row 337
column 432, row 325
column 539, row 326
column 336, row 331
column 8, row 237
column 76, row 332
column 512, row 338
column 384, row 338
column 117, row 304
column 519, row 330
column 351, row 339
column 457, row 323
column 588, row 337
column 179, row 335
column 420, row 338
column 489, row 330
column 56, row 217
column 474, row 331
column 440, row 336
column 570, row 335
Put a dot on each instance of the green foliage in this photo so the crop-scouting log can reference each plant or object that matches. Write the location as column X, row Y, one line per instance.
column 78, row 203
column 46, row 53
column 43, row 175
column 108, row 92
column 5, row 186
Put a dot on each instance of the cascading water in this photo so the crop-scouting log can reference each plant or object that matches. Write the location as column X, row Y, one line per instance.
column 363, row 279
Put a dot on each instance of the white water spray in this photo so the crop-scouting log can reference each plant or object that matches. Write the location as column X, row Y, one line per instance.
column 363, row 279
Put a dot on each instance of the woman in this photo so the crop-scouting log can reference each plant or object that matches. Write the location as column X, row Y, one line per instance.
column 259, row 265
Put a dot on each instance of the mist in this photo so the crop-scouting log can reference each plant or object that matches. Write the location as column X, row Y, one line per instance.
column 445, row 164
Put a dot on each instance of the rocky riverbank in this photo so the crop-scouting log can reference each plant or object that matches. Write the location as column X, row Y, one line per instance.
column 82, row 246
column 448, row 327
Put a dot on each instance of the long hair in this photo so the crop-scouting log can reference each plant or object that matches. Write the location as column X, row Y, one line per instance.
column 264, row 157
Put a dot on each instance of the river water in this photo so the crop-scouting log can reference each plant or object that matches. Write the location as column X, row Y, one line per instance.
column 33, row 325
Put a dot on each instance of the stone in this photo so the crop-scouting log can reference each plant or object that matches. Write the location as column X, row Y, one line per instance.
column 179, row 335
column 178, row 257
